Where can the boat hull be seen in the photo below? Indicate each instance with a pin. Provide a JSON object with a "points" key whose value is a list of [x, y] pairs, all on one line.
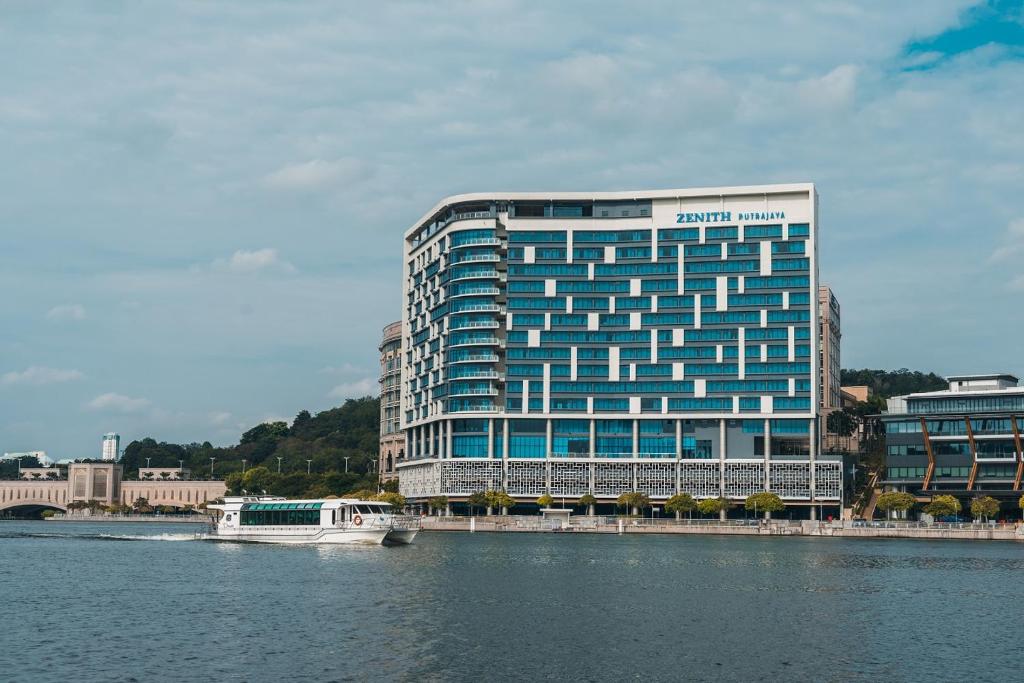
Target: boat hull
{"points": [[318, 537], [400, 536]]}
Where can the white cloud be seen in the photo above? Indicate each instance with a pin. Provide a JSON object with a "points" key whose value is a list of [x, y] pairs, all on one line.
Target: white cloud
{"points": [[367, 386], [218, 419], [39, 375], [66, 312], [243, 261], [117, 403], [317, 173], [1013, 244]]}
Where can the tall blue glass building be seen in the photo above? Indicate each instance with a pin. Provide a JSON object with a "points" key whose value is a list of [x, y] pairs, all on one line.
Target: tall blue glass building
{"points": [[658, 341]]}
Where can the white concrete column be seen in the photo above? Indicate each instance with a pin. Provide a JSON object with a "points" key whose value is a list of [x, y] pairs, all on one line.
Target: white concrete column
{"points": [[812, 451], [636, 438], [504, 455], [593, 438], [448, 438], [767, 454], [679, 440], [549, 438], [722, 449], [490, 437]]}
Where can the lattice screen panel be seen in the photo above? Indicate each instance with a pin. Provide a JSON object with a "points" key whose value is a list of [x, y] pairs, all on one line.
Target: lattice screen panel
{"points": [[526, 478], [420, 480], [463, 477], [570, 478], [828, 480], [790, 480], [743, 478], [700, 479], [612, 479], [656, 479]]}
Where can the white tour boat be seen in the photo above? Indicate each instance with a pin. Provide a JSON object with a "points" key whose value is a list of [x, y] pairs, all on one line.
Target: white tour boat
{"points": [[273, 519]]}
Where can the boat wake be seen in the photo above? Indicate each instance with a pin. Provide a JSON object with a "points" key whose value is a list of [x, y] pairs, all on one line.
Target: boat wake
{"points": [[101, 537]]}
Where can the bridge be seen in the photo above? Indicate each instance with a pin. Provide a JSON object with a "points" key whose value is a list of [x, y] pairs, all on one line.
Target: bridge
{"points": [[103, 483]]}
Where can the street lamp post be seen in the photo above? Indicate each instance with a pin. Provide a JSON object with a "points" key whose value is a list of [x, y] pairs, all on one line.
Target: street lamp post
{"points": [[243, 466], [346, 463], [279, 458], [309, 464], [211, 467]]}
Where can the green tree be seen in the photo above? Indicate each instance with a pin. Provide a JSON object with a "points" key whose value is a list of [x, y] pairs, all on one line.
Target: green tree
{"points": [[713, 506], [984, 507], [766, 502], [898, 501], [680, 503], [943, 506], [438, 503], [634, 501], [841, 422], [264, 431], [397, 500], [545, 501], [476, 500], [141, 505], [499, 499], [260, 479], [587, 501]]}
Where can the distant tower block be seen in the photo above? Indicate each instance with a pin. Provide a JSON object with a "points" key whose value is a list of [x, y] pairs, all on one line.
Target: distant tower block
{"points": [[111, 446]]}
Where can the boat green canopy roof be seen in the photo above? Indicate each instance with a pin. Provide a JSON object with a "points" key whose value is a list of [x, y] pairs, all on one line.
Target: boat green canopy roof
{"points": [[282, 506]]}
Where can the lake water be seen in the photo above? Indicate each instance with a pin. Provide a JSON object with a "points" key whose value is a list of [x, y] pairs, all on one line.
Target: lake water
{"points": [[144, 602]]}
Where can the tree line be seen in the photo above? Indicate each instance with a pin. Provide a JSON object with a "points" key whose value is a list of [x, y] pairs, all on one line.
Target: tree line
{"points": [[331, 453]]}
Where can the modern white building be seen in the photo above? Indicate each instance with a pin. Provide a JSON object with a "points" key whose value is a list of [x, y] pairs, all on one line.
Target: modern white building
{"points": [[658, 341], [111, 446]]}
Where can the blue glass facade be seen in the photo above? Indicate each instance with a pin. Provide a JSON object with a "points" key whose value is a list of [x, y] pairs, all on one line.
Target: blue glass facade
{"points": [[598, 329]]}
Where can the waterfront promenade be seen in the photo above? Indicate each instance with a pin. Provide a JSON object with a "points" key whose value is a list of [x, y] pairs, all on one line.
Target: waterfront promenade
{"points": [[625, 525]]}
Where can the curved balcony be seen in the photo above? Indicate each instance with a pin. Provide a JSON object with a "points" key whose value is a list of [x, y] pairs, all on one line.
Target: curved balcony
{"points": [[482, 374], [476, 308], [475, 341], [474, 258], [475, 291], [479, 358], [473, 392], [476, 242], [472, 325], [455, 276]]}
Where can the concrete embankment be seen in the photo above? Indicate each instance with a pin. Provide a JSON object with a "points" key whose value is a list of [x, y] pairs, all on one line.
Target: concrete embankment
{"points": [[611, 525]]}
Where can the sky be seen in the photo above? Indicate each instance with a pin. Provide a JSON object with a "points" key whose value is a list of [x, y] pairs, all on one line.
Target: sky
{"points": [[203, 203]]}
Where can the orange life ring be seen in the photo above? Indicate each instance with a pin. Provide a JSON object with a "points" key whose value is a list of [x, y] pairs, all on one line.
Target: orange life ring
{"points": [[357, 520]]}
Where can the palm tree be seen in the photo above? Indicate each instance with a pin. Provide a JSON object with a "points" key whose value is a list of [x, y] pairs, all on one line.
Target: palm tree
{"points": [[680, 503], [589, 501]]}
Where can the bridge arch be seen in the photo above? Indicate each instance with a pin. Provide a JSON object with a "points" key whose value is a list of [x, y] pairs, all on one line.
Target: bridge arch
{"points": [[29, 507]]}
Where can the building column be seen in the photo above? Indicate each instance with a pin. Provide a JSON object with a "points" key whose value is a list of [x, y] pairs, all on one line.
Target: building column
{"points": [[448, 438], [636, 438], [504, 455], [490, 438], [767, 454], [679, 456], [812, 457], [722, 446], [593, 437], [549, 445]]}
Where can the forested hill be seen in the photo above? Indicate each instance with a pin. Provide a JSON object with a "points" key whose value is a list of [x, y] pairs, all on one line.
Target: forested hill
{"points": [[886, 383], [326, 439]]}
